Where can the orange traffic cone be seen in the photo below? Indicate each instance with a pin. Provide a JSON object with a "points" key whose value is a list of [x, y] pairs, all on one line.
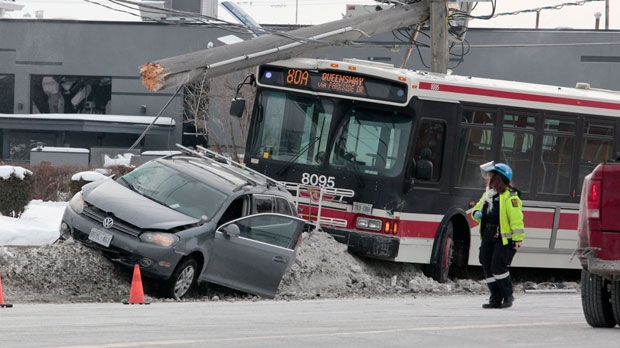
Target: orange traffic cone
{"points": [[136, 293], [2, 304]]}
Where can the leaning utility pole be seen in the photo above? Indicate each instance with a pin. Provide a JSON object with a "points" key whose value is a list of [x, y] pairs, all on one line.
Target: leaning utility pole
{"points": [[180, 70], [439, 36]]}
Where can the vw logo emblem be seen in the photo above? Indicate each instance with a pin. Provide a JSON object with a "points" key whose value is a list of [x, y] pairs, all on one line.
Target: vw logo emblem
{"points": [[108, 222]]}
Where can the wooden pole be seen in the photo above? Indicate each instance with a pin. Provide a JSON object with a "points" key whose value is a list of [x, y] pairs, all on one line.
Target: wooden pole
{"points": [[439, 36], [183, 69]]}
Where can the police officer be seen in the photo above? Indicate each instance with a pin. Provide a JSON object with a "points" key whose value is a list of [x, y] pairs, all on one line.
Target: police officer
{"points": [[501, 231]]}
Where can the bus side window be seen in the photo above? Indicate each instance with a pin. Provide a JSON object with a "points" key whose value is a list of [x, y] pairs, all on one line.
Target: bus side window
{"points": [[424, 166], [428, 150]]}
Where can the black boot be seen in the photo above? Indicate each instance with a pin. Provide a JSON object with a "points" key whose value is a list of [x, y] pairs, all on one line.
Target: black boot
{"points": [[508, 302], [505, 289], [495, 300]]}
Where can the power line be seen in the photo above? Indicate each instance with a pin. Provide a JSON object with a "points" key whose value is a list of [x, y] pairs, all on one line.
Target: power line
{"points": [[536, 10]]}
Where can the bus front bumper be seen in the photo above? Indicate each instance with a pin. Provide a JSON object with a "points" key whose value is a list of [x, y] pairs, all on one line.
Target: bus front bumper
{"points": [[367, 244]]}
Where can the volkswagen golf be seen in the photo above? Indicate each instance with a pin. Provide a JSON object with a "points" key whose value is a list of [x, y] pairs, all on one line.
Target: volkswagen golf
{"points": [[191, 217]]}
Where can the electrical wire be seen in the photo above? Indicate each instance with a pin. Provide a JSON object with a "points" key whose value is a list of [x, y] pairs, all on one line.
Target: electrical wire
{"points": [[534, 10], [402, 37]]}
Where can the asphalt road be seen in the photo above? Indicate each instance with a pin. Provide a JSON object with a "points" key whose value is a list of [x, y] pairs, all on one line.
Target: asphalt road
{"points": [[536, 320]]}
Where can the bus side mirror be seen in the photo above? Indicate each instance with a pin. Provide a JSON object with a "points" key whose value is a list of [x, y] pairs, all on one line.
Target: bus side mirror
{"points": [[237, 106]]}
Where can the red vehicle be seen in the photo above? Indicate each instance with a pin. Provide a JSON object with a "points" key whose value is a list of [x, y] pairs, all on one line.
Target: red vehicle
{"points": [[599, 245]]}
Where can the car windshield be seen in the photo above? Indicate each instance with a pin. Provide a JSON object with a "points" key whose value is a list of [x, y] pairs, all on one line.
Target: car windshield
{"points": [[174, 190]]}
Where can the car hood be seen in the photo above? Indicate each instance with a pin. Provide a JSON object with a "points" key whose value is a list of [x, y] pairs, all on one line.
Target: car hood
{"points": [[132, 207]]}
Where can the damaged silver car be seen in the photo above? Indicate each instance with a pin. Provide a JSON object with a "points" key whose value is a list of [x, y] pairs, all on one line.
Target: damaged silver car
{"points": [[191, 217]]}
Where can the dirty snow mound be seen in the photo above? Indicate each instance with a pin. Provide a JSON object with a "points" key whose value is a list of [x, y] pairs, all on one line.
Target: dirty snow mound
{"points": [[70, 272], [324, 268], [66, 272]]}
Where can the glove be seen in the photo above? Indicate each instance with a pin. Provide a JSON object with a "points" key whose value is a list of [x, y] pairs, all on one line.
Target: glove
{"points": [[477, 214]]}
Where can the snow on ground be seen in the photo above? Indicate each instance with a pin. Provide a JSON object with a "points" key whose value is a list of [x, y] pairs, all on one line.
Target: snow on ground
{"points": [[37, 226], [36, 269]]}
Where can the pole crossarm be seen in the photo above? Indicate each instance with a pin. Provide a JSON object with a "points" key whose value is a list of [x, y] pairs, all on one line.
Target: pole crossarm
{"points": [[212, 62]]}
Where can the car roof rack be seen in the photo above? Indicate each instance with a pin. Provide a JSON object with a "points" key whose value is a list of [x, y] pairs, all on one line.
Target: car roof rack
{"points": [[216, 157]]}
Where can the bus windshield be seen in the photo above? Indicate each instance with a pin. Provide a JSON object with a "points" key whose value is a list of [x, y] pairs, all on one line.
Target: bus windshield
{"points": [[372, 142], [295, 128], [291, 127]]}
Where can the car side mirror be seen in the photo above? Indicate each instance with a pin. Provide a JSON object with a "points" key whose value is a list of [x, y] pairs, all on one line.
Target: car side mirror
{"points": [[237, 106], [231, 230]]}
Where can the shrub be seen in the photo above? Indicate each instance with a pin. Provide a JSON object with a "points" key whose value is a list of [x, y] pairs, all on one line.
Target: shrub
{"points": [[16, 191], [47, 183], [52, 183], [118, 170]]}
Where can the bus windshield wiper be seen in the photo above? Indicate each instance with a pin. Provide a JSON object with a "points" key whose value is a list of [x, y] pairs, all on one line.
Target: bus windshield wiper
{"points": [[297, 155]]}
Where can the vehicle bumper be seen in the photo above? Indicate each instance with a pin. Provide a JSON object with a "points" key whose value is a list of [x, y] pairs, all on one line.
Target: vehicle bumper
{"points": [[603, 267], [127, 250], [367, 244]]}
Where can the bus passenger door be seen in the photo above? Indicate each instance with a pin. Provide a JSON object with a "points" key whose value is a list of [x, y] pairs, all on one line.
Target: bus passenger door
{"points": [[431, 155]]}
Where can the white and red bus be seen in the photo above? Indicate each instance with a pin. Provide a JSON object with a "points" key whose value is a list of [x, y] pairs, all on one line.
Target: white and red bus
{"points": [[387, 160]]}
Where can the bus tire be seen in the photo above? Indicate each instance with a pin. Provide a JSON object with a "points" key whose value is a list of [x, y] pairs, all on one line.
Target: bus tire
{"points": [[615, 300], [441, 261], [596, 300]]}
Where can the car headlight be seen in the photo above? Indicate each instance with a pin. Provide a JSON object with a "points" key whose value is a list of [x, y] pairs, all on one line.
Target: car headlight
{"points": [[159, 238], [77, 203]]}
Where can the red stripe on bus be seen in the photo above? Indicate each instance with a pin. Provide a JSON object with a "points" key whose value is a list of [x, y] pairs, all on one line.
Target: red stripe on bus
{"points": [[428, 229], [417, 229], [568, 222], [438, 87], [543, 220]]}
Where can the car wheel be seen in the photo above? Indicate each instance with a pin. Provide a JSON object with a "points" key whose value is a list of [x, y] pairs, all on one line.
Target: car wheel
{"points": [[183, 279], [595, 300], [615, 300]]}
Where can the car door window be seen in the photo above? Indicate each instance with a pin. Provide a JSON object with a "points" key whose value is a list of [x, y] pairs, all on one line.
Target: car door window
{"points": [[274, 229], [263, 204], [283, 206], [272, 204]]}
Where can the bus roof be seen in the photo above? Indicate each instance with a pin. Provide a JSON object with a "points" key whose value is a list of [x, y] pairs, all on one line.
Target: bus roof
{"points": [[467, 89]]}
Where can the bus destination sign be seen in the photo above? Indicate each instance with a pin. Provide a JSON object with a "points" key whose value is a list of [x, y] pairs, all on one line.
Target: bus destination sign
{"points": [[332, 82]]}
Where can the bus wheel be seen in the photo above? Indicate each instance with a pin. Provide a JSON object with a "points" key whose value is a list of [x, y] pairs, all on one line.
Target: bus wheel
{"points": [[595, 300], [442, 255]]}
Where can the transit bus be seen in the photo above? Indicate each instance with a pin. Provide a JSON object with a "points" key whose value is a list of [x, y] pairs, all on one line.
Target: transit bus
{"points": [[387, 160]]}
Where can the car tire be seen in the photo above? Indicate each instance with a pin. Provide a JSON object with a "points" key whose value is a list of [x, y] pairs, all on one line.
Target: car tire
{"points": [[183, 279], [615, 300], [595, 300]]}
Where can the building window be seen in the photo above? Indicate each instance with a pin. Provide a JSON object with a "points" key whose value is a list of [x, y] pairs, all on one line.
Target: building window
{"points": [[67, 94], [7, 93]]}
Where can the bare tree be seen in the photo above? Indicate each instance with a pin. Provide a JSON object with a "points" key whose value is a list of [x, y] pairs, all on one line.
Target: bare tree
{"points": [[207, 105]]}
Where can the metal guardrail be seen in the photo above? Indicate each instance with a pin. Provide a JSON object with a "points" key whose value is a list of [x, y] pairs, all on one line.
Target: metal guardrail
{"points": [[335, 194]]}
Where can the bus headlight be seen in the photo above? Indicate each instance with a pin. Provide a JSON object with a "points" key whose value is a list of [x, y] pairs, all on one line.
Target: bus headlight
{"points": [[368, 224]]}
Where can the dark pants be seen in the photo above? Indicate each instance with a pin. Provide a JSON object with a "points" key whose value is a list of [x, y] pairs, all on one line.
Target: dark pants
{"points": [[495, 259]]}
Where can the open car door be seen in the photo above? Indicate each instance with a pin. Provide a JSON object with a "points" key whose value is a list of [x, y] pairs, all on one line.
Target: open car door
{"points": [[252, 253]]}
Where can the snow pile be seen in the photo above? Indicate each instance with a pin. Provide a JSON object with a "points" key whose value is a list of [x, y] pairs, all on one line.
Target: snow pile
{"points": [[19, 172], [89, 175], [120, 160], [324, 268], [69, 272]]}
